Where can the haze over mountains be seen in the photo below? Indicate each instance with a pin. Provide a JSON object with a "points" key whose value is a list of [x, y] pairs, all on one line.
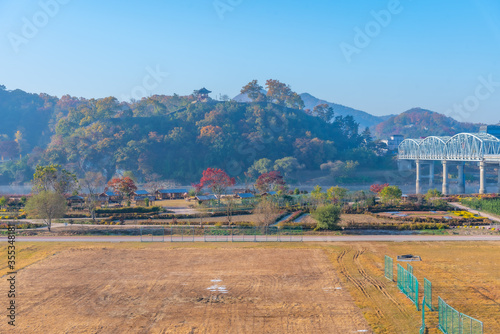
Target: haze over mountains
{"points": [[413, 123]]}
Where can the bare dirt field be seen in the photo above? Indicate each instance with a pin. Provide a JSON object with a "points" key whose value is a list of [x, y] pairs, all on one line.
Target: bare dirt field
{"points": [[465, 274], [244, 287], [163, 289]]}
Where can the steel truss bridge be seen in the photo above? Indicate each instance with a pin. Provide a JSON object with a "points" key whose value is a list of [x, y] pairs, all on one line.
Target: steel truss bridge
{"points": [[482, 148]]}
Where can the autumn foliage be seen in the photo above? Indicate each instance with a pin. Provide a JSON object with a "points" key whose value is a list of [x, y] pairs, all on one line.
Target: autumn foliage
{"points": [[377, 188], [123, 186], [216, 180], [269, 181]]}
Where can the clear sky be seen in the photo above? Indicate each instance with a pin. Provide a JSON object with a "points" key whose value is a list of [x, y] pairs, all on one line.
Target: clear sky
{"points": [[439, 55]]}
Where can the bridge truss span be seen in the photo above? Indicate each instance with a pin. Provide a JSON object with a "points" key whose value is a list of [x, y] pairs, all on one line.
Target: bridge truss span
{"points": [[460, 147], [481, 148]]}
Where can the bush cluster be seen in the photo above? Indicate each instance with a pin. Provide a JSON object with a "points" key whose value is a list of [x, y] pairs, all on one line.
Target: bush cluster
{"points": [[396, 226], [138, 209], [491, 205], [4, 226]]}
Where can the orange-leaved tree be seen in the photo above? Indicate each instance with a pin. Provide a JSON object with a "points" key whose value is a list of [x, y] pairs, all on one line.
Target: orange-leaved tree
{"points": [[216, 180], [122, 185]]}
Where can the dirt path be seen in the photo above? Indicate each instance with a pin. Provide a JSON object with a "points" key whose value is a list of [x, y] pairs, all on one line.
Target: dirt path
{"points": [[381, 287], [360, 286]]}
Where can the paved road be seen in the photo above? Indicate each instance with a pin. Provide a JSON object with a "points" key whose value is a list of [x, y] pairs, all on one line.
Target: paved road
{"points": [[345, 238], [482, 214]]}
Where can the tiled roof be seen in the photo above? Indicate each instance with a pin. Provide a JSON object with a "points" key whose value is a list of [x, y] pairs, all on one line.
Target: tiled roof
{"points": [[173, 191]]}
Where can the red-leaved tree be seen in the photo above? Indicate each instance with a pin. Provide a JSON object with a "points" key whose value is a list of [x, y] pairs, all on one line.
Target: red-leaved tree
{"points": [[269, 181], [123, 186], [377, 188], [216, 180]]}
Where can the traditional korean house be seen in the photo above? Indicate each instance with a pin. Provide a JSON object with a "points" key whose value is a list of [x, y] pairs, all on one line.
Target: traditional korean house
{"points": [[171, 193]]}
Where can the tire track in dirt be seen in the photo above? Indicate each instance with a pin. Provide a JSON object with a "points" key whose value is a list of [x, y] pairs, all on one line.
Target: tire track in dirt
{"points": [[343, 270], [478, 290], [379, 286]]}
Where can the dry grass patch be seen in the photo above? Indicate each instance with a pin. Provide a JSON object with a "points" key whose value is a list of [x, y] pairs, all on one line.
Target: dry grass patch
{"points": [[465, 274], [185, 290]]}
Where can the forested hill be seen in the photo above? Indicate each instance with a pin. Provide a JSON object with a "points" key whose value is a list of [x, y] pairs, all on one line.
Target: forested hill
{"points": [[25, 121], [180, 144], [417, 122], [175, 137]]}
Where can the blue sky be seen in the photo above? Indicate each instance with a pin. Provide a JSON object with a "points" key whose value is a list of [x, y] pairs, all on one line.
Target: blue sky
{"points": [[435, 55]]}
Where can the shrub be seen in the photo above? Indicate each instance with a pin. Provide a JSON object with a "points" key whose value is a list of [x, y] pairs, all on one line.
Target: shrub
{"points": [[139, 209], [328, 217], [484, 204]]}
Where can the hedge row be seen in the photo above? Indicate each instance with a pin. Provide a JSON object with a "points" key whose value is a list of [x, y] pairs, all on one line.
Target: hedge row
{"points": [[403, 226], [488, 205], [450, 222], [138, 209], [181, 223], [76, 215], [4, 226]]}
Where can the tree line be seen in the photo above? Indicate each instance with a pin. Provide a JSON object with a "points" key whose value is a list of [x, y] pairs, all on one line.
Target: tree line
{"points": [[177, 137]]}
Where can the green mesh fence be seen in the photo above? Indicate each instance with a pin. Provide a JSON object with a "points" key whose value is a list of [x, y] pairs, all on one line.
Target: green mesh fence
{"points": [[428, 294], [181, 233], [152, 234], [240, 234], [470, 325], [214, 234], [422, 327], [221, 234], [409, 267], [408, 284], [288, 233], [253, 234], [453, 322], [389, 268]]}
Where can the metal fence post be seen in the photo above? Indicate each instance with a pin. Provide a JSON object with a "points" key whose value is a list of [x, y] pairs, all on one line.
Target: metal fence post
{"points": [[422, 328], [389, 268]]}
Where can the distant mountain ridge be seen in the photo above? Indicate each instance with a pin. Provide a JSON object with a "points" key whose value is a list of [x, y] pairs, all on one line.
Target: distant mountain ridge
{"points": [[363, 118], [418, 122]]}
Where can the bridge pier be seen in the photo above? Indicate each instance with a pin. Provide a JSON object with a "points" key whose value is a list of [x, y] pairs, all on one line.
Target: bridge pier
{"points": [[482, 181], [461, 178], [418, 190], [445, 189], [498, 190], [431, 173]]}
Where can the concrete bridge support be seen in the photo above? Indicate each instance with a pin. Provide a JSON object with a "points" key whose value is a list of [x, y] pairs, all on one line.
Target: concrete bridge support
{"points": [[461, 178], [482, 179], [431, 173], [445, 189], [417, 162], [498, 190]]}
